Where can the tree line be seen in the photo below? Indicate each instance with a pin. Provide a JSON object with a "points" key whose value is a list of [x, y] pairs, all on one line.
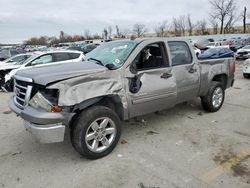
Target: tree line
{"points": [[223, 16]]}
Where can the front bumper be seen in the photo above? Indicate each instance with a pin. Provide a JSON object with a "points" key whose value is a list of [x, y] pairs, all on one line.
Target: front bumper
{"points": [[46, 127], [50, 133], [246, 69]]}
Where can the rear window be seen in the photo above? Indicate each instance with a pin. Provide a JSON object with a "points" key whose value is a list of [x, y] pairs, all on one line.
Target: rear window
{"points": [[180, 53]]}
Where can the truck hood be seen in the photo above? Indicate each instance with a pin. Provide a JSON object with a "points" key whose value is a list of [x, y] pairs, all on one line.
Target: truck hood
{"points": [[58, 72]]}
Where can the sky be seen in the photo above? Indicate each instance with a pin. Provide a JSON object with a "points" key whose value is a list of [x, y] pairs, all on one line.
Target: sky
{"points": [[22, 19]]}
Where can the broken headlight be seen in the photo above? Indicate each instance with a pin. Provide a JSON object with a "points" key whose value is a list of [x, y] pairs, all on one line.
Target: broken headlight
{"points": [[47, 100]]}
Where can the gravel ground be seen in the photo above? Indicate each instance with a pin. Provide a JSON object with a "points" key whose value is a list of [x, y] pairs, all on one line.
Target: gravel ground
{"points": [[180, 147]]}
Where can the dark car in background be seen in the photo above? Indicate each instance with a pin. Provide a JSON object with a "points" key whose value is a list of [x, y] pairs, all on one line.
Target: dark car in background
{"points": [[9, 52], [215, 53]]}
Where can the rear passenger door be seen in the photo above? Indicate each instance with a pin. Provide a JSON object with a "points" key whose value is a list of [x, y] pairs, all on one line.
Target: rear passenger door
{"points": [[185, 70]]}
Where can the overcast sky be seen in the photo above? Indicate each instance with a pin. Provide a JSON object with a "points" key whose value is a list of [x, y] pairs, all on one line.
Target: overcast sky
{"points": [[22, 19]]}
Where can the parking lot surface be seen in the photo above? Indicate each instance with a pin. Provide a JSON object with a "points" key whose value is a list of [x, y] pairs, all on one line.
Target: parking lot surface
{"points": [[180, 147]]}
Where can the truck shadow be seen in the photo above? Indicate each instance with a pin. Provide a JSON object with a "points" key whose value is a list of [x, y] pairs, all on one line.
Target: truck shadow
{"points": [[141, 126]]}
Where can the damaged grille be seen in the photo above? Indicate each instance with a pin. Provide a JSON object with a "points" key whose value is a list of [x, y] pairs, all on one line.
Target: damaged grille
{"points": [[22, 91]]}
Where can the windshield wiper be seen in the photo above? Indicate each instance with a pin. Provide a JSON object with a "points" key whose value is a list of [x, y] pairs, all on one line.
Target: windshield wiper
{"points": [[98, 61]]}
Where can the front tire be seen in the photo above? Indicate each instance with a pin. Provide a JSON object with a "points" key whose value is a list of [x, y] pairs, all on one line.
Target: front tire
{"points": [[96, 132], [214, 99]]}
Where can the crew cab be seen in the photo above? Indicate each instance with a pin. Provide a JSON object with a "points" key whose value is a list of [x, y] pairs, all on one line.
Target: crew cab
{"points": [[117, 81]]}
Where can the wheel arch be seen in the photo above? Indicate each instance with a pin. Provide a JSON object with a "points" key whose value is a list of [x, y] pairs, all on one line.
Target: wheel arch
{"points": [[113, 102], [222, 78]]}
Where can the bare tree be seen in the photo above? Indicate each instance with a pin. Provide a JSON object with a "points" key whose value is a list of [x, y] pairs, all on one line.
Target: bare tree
{"points": [[87, 34], [105, 33], [118, 34], [160, 29], [182, 24], [124, 33], [222, 9], [214, 23], [190, 25], [139, 30], [176, 27], [179, 26], [244, 19], [110, 31], [229, 26], [202, 27], [62, 36]]}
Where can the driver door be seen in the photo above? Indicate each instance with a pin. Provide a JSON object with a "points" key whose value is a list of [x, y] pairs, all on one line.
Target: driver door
{"points": [[153, 86]]}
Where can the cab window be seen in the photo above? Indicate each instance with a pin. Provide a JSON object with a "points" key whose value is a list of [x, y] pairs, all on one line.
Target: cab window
{"points": [[180, 53], [151, 57]]}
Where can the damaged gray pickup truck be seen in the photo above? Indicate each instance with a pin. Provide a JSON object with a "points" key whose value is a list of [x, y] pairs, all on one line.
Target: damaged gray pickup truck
{"points": [[117, 81]]}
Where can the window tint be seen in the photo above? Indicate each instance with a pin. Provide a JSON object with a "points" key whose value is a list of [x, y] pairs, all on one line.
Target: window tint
{"points": [[180, 53], [42, 60], [74, 55], [152, 56], [61, 57]]}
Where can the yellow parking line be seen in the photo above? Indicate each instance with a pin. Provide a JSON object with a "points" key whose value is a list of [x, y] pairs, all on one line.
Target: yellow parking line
{"points": [[219, 170]]}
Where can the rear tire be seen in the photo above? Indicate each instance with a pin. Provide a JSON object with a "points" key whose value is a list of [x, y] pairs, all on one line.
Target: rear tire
{"points": [[96, 132], [214, 99]]}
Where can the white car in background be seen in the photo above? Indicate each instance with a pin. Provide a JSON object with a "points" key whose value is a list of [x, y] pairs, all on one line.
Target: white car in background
{"points": [[197, 51], [40, 59], [246, 69], [15, 59], [243, 53], [218, 44]]}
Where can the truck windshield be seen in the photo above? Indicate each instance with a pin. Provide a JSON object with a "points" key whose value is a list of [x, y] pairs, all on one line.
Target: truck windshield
{"points": [[113, 54]]}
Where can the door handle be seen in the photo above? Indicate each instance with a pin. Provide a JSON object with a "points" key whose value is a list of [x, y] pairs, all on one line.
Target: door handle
{"points": [[166, 75], [192, 70]]}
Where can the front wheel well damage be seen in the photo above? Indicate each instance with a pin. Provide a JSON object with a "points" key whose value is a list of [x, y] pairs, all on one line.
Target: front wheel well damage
{"points": [[111, 101]]}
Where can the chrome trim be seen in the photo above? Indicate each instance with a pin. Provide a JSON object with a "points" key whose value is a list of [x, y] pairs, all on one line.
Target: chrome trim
{"points": [[16, 103], [28, 93], [23, 78], [22, 93], [20, 98], [22, 87]]}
